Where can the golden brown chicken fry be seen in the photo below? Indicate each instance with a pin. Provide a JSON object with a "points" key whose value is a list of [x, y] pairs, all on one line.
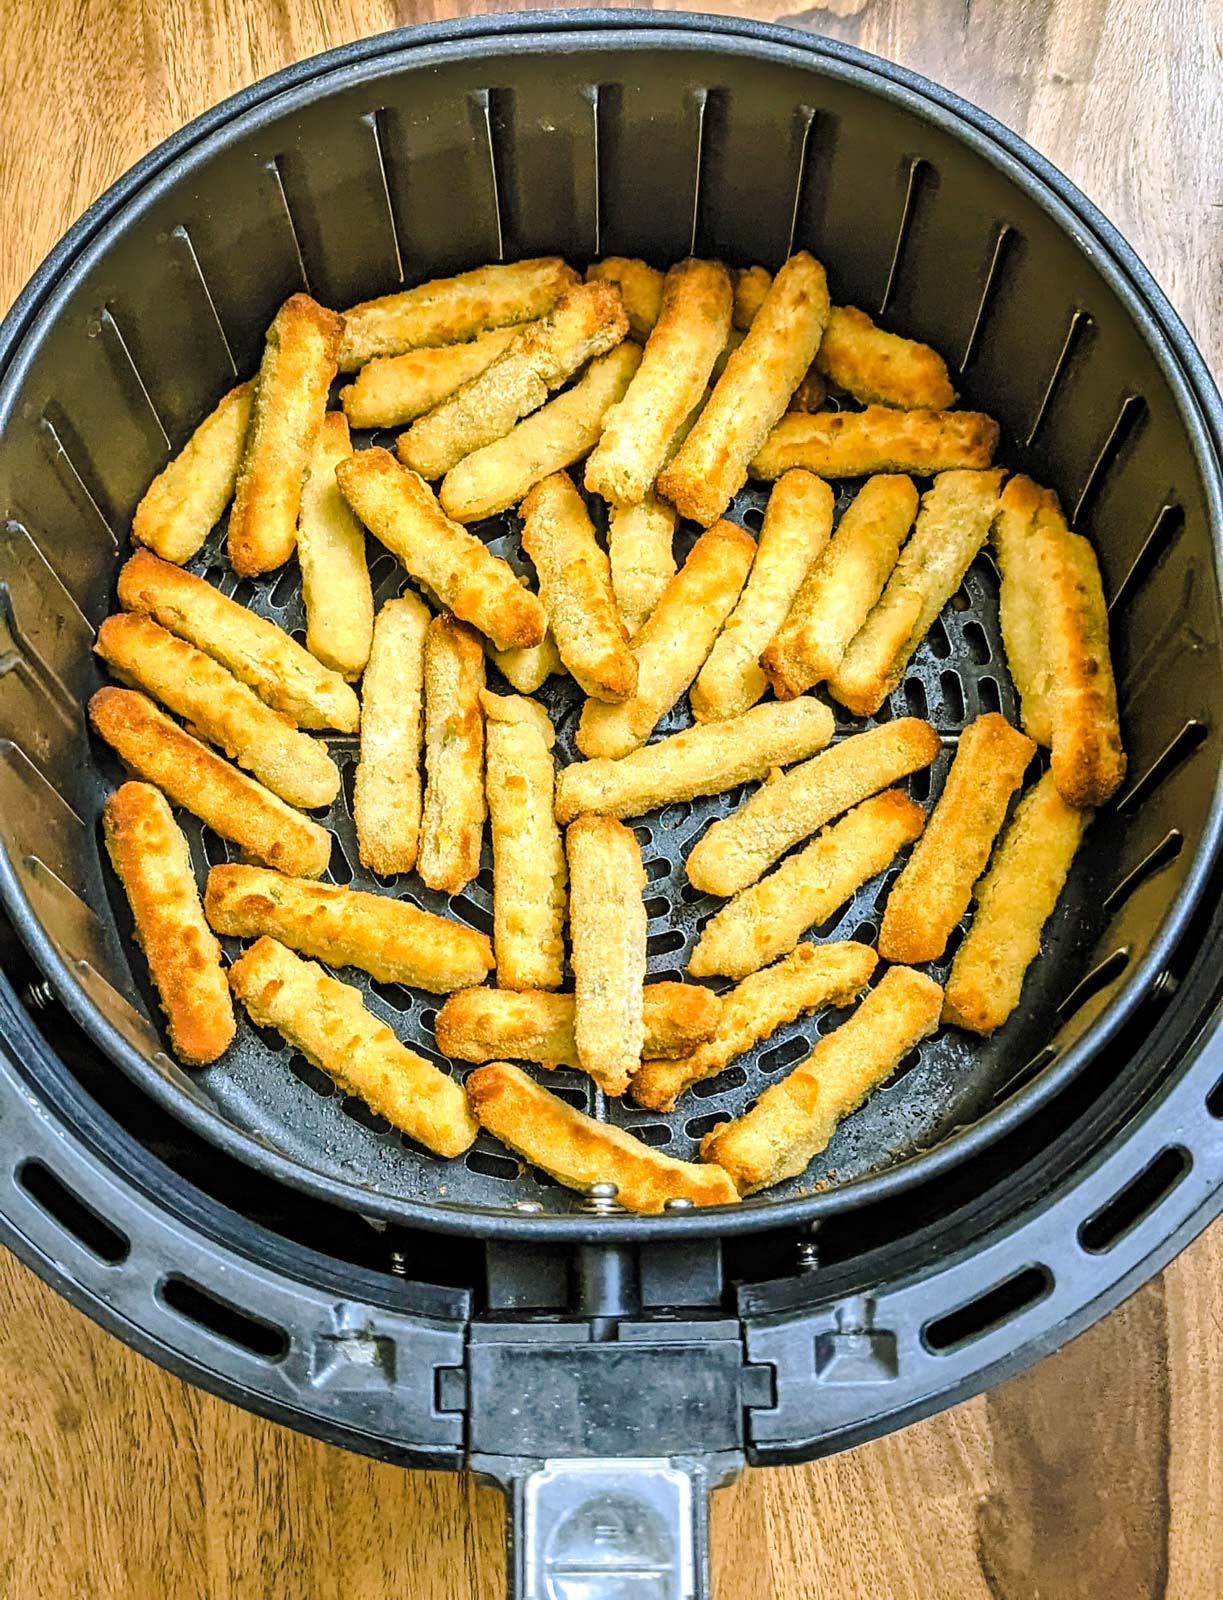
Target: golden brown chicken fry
{"points": [[295, 374], [640, 287], [456, 567], [842, 586], [816, 975], [452, 823], [219, 708], [153, 863], [751, 286], [552, 438], [701, 760], [932, 893], [575, 587], [447, 310], [1014, 901], [761, 375], [793, 1120], [390, 939], [671, 648], [679, 357], [390, 391], [740, 847], [185, 500], [528, 858], [1055, 626], [852, 444], [528, 669], [578, 1151], [530, 1025], [387, 795], [796, 527], [281, 673], [882, 368], [952, 525], [331, 550], [328, 1022], [768, 920], [204, 783], [607, 930], [587, 321]]}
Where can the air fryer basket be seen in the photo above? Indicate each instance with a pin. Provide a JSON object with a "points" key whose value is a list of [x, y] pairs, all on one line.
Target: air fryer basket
{"points": [[590, 135]]}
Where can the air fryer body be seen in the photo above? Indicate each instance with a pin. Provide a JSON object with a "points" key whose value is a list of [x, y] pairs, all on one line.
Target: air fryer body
{"points": [[265, 1237]]}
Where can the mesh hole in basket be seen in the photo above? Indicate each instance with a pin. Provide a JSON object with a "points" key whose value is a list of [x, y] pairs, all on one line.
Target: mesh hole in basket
{"points": [[976, 642], [784, 1055], [734, 1078], [753, 518], [676, 815], [339, 867], [919, 784], [428, 1018], [475, 916], [656, 869], [904, 1067], [662, 944], [215, 852], [283, 590], [988, 695], [348, 778], [698, 1127], [953, 695], [653, 1134], [572, 1097], [915, 697], [395, 995], [313, 1077], [356, 1108], [657, 906], [940, 644], [960, 601], [491, 1165], [866, 933]]}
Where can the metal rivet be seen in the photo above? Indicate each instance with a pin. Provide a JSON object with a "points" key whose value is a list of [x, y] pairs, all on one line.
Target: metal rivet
{"points": [[399, 1264], [529, 1208], [679, 1202], [807, 1256], [38, 996], [600, 1200]]}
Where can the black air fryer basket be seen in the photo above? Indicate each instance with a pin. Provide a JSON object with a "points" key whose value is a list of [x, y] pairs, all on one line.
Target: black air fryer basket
{"points": [[261, 1235]]}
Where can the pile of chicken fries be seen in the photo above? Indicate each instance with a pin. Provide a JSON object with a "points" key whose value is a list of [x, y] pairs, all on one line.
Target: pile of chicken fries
{"points": [[633, 400]]}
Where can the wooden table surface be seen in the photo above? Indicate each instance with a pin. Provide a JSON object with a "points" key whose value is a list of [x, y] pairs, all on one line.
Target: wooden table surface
{"points": [[1098, 1475]]}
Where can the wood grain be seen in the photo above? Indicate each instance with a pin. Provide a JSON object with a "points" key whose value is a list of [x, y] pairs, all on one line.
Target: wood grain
{"points": [[1099, 1474]]}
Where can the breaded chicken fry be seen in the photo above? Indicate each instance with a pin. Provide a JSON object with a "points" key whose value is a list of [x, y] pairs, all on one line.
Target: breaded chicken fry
{"points": [[185, 500], [587, 321], [952, 525], [331, 549], [751, 286], [295, 374], [701, 760], [452, 823], [672, 646], [528, 669], [816, 975], [390, 939], [204, 783], [387, 795], [496, 1024], [932, 893], [796, 527], [456, 567], [740, 847], [841, 587], [446, 310], [390, 391], [153, 863], [640, 287], [678, 360], [1014, 901], [529, 872], [768, 919], [575, 587], [793, 1120], [761, 375], [607, 930], [578, 1151], [1055, 626], [552, 438], [852, 444], [328, 1022], [219, 708], [882, 368], [281, 673]]}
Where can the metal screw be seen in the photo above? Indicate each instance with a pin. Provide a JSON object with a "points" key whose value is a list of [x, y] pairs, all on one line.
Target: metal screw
{"points": [[529, 1208], [40, 995], [807, 1255], [679, 1202], [399, 1264], [600, 1200]]}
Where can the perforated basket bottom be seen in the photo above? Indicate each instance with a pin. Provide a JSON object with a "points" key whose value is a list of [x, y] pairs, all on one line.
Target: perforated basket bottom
{"points": [[263, 1087]]}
